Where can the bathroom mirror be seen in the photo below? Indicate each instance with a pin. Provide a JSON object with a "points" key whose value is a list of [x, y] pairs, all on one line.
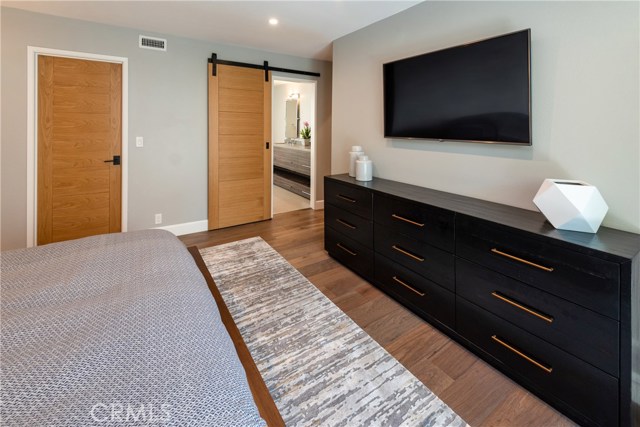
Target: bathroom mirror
{"points": [[292, 119]]}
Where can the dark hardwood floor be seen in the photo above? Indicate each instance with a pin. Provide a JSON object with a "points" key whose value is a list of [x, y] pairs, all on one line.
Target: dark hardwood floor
{"points": [[472, 388]]}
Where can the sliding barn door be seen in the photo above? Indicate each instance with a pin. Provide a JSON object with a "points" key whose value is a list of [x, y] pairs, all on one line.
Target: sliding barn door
{"points": [[239, 146], [79, 137]]}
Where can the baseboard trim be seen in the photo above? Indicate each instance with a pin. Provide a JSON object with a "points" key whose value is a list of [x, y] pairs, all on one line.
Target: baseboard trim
{"points": [[203, 225], [187, 227]]}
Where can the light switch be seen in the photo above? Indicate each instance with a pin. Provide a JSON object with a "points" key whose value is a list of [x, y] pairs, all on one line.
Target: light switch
{"points": [[139, 141]]}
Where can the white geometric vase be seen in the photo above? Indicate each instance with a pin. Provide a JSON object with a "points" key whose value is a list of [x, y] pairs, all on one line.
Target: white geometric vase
{"points": [[571, 205]]}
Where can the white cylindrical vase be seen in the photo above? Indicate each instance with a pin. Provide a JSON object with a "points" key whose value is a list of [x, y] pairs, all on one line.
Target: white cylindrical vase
{"points": [[356, 151], [364, 169]]}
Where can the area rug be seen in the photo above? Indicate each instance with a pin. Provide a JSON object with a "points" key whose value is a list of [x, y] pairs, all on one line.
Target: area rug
{"points": [[320, 367]]}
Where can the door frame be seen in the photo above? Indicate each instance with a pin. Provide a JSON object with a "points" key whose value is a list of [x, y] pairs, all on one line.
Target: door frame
{"points": [[314, 114], [32, 130]]}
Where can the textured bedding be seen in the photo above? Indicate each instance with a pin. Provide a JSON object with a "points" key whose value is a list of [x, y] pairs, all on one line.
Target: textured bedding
{"points": [[118, 329]]}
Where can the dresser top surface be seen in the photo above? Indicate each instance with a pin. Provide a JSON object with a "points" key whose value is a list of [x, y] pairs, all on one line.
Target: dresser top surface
{"points": [[605, 243]]}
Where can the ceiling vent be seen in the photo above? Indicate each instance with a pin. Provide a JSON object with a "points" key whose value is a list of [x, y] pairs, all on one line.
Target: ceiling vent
{"points": [[153, 43]]}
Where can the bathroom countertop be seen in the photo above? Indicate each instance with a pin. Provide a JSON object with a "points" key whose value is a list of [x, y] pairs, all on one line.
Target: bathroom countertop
{"points": [[292, 146]]}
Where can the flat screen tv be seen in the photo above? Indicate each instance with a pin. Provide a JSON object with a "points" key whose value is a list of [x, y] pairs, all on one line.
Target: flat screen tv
{"points": [[477, 92]]}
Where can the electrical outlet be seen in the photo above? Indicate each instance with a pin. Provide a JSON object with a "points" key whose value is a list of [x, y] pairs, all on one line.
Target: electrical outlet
{"points": [[139, 141], [159, 218]]}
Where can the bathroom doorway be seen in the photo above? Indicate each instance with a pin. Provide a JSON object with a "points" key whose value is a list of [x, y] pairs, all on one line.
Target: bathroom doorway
{"points": [[293, 135]]}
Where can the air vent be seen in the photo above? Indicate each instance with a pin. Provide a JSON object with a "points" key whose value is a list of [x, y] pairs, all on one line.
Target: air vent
{"points": [[153, 43]]}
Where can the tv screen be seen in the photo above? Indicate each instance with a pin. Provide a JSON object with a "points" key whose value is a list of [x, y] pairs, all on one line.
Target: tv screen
{"points": [[477, 92]]}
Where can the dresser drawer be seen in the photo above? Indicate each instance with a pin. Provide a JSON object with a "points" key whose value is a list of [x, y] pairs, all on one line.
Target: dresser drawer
{"points": [[349, 252], [350, 198], [422, 295], [352, 226], [588, 335], [426, 260], [585, 280], [553, 372], [426, 223]]}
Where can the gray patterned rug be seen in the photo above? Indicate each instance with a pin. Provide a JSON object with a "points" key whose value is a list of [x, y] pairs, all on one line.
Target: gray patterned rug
{"points": [[320, 367]]}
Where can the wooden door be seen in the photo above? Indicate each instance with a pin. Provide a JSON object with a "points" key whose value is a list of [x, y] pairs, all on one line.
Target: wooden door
{"points": [[79, 133], [239, 146]]}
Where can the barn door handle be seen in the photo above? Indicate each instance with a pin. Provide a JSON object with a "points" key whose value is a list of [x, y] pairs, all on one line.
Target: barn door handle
{"points": [[115, 160]]}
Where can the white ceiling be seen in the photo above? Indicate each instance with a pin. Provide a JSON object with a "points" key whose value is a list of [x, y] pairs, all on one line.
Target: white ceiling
{"points": [[305, 29]]}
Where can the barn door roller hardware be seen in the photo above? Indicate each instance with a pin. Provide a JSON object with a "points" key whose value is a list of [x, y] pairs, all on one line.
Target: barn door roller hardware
{"points": [[265, 66]]}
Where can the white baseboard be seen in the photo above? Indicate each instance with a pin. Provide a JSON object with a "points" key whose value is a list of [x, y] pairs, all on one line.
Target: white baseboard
{"points": [[198, 226], [187, 227]]}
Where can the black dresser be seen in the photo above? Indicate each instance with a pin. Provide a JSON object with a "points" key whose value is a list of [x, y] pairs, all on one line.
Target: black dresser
{"points": [[555, 310]]}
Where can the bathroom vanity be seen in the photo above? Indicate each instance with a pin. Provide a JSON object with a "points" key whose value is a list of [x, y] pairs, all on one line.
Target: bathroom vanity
{"points": [[292, 168]]}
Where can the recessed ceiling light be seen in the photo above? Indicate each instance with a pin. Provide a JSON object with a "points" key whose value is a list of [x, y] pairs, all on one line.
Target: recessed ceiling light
{"points": [[273, 21]]}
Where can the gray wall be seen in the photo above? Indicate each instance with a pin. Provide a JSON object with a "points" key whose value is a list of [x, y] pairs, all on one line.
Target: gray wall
{"points": [[167, 106], [584, 90]]}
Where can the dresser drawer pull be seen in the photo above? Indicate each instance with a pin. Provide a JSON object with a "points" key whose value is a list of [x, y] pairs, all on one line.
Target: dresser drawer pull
{"points": [[542, 366], [524, 261], [522, 307], [346, 224], [407, 253], [401, 218], [349, 251], [348, 199], [408, 287]]}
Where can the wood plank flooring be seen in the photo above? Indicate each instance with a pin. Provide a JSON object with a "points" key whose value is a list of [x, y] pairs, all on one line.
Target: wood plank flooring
{"points": [[472, 388]]}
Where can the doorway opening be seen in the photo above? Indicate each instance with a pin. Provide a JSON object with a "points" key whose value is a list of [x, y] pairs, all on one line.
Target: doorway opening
{"points": [[293, 135]]}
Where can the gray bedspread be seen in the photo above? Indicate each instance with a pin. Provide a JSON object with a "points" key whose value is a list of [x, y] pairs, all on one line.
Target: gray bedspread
{"points": [[118, 329]]}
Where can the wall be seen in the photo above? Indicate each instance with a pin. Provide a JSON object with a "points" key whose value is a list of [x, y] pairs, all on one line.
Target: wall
{"points": [[279, 96], [585, 98], [167, 106]]}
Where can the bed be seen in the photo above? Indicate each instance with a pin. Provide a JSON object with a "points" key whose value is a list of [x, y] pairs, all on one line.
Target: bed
{"points": [[121, 329]]}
